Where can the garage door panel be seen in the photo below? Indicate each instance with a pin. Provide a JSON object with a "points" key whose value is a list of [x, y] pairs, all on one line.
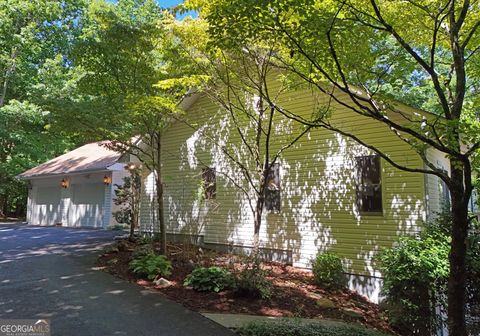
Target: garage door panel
{"points": [[87, 205], [88, 194], [47, 208]]}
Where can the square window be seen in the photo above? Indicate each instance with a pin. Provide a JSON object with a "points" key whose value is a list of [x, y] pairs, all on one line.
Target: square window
{"points": [[209, 183], [369, 187]]}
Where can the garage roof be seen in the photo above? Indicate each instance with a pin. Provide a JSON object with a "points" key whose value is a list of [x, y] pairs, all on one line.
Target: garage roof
{"points": [[90, 157]]}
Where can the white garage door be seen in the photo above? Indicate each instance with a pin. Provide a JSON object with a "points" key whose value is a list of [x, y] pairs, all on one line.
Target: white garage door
{"points": [[47, 210], [87, 205]]}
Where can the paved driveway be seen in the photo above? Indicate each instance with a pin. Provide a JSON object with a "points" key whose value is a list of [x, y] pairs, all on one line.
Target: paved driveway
{"points": [[47, 272]]}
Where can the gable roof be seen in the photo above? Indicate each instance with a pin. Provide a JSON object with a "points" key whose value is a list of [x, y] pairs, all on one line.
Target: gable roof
{"points": [[91, 157]]}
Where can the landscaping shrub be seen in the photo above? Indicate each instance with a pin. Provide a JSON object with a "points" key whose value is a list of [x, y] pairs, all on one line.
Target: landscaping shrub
{"points": [[142, 250], [151, 265], [416, 272], [252, 282], [295, 328], [146, 239], [328, 271], [118, 227], [212, 279]]}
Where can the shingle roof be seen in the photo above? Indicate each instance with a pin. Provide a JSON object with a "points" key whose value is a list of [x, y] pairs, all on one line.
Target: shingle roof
{"points": [[90, 157]]}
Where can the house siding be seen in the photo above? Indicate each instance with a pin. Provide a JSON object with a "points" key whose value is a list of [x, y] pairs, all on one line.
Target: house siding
{"points": [[434, 199], [318, 200]]}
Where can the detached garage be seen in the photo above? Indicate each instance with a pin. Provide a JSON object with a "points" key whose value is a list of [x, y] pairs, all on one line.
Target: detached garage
{"points": [[75, 189]]}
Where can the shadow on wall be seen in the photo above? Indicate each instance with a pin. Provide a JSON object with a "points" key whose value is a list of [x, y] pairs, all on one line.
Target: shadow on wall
{"points": [[318, 197]]}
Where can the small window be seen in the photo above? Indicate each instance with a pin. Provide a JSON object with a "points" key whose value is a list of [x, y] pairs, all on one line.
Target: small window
{"points": [[272, 189], [209, 183], [369, 188]]}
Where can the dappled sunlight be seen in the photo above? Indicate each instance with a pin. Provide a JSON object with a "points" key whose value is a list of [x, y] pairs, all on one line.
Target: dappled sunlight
{"points": [[115, 292], [72, 288], [319, 189], [191, 145], [61, 249], [367, 286]]}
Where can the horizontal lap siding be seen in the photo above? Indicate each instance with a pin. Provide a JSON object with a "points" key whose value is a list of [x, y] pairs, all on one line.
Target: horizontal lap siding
{"points": [[434, 199], [318, 209]]}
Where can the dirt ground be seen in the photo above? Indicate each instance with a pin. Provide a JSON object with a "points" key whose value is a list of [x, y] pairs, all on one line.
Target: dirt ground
{"points": [[293, 293]]}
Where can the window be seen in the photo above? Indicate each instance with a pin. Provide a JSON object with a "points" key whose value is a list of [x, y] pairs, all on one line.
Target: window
{"points": [[272, 189], [209, 183], [369, 188]]}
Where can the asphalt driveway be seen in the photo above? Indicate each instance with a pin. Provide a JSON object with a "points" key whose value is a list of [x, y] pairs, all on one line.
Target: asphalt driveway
{"points": [[48, 272]]}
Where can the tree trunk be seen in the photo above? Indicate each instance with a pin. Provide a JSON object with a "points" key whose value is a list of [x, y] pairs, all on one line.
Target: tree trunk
{"points": [[159, 189], [458, 249], [257, 223], [161, 220], [132, 230], [134, 205], [136, 191]]}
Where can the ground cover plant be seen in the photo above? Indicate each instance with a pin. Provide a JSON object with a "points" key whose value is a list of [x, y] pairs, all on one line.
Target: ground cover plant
{"points": [[211, 279]]}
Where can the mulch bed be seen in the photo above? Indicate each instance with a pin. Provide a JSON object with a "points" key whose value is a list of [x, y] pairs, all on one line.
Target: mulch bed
{"points": [[293, 292]]}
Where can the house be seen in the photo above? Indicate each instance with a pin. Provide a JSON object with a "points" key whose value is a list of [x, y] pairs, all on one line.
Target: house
{"points": [[75, 189], [334, 194]]}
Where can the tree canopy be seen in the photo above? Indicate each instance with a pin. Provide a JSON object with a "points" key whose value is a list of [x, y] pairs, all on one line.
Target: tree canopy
{"points": [[35, 42]]}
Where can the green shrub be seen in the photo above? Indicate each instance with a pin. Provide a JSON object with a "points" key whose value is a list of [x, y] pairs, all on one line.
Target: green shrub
{"points": [[118, 227], [212, 279], [414, 271], [252, 282], [142, 250], [146, 239], [295, 328], [328, 271], [151, 265]]}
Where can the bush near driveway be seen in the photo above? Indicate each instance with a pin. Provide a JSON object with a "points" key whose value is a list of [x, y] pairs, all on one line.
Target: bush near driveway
{"points": [[151, 266], [252, 282], [212, 279], [296, 328]]}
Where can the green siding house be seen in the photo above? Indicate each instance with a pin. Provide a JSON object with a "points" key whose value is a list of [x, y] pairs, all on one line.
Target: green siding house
{"points": [[320, 205]]}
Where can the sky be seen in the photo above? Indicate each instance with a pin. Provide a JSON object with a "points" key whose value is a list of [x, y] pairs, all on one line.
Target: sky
{"points": [[171, 3]]}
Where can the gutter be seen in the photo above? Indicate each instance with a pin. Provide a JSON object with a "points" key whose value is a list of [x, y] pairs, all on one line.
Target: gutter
{"points": [[76, 172]]}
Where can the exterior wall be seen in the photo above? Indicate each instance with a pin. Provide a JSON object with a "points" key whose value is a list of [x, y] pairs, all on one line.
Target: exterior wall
{"points": [[318, 201], [433, 184]]}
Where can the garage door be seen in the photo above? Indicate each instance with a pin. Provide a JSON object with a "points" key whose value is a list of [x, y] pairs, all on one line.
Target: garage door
{"points": [[47, 209], [87, 205]]}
